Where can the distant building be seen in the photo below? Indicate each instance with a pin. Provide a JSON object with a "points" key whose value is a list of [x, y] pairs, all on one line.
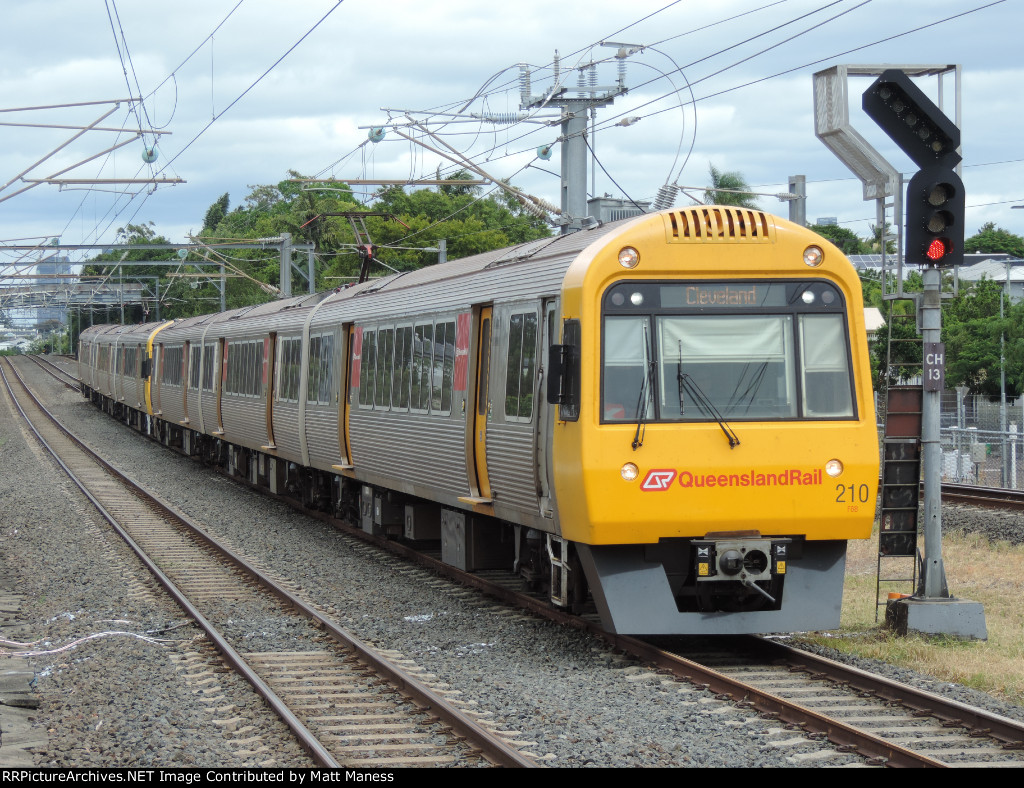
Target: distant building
{"points": [[873, 321], [872, 263], [58, 268], [997, 268], [611, 209]]}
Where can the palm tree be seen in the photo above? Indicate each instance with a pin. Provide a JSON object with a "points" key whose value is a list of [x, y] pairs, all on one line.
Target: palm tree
{"points": [[728, 188]]}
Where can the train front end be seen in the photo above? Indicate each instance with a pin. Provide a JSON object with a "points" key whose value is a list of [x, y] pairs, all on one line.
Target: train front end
{"points": [[716, 445]]}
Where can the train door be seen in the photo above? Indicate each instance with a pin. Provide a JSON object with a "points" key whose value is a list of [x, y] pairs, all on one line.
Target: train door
{"points": [[269, 364], [221, 376], [483, 403], [350, 350], [545, 422], [159, 373], [115, 370]]}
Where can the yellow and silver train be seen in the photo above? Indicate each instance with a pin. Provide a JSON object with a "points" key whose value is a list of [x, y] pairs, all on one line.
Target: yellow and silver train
{"points": [[670, 416]]}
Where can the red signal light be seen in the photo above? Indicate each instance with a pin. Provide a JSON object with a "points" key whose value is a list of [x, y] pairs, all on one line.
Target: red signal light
{"points": [[938, 248]]}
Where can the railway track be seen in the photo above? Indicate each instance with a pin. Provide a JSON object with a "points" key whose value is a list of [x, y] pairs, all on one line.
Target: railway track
{"points": [[346, 703], [57, 372], [992, 497], [883, 722]]}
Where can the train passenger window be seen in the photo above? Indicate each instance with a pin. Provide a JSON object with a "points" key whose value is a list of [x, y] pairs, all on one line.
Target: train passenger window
{"points": [[321, 369], [626, 354], [288, 369], [385, 363], [403, 368], [443, 375], [521, 369], [194, 367], [422, 363], [826, 372], [313, 368], [209, 364], [367, 369], [326, 383], [171, 372]]}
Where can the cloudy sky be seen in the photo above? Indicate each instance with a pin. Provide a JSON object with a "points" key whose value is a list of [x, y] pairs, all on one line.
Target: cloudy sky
{"points": [[250, 90]]}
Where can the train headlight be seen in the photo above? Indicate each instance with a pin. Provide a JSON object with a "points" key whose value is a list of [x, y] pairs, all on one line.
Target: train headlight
{"points": [[813, 256], [629, 471], [833, 468], [629, 257]]}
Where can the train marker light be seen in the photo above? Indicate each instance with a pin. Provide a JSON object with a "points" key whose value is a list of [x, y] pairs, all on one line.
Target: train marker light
{"points": [[833, 468], [813, 256], [629, 257], [629, 472]]}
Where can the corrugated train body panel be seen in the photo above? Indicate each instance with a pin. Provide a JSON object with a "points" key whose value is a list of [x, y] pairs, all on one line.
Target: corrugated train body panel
{"points": [[286, 430], [511, 463], [172, 403], [322, 435], [244, 421], [423, 456]]}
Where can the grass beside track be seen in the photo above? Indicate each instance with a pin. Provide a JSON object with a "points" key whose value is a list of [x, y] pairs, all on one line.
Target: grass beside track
{"points": [[991, 573]]}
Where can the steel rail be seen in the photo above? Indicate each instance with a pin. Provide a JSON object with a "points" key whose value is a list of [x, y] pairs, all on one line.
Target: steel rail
{"points": [[1008, 731], [491, 746], [847, 737], [56, 372], [308, 741], [996, 497]]}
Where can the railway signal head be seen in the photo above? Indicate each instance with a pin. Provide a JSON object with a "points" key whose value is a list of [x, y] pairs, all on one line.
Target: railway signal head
{"points": [[935, 196], [935, 218], [912, 120]]}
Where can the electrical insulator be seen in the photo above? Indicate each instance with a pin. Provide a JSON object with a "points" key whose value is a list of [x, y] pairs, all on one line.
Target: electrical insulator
{"points": [[666, 197], [525, 89]]}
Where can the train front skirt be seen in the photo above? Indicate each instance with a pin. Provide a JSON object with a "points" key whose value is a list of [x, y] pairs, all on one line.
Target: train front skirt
{"points": [[634, 597]]}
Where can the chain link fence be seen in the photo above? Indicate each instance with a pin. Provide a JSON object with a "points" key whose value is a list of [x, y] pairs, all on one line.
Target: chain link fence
{"points": [[982, 440]]}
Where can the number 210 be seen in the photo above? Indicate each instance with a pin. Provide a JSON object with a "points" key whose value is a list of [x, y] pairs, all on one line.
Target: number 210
{"points": [[857, 493]]}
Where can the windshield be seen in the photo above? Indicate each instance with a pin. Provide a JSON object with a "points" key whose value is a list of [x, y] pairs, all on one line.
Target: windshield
{"points": [[757, 351]]}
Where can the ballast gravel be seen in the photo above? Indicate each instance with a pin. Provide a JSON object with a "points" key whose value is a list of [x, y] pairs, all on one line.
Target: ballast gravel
{"points": [[121, 700]]}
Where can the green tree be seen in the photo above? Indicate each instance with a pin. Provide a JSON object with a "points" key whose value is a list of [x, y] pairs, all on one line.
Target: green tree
{"points": [[116, 268], [843, 237], [875, 243], [728, 188], [971, 330], [216, 212], [992, 239]]}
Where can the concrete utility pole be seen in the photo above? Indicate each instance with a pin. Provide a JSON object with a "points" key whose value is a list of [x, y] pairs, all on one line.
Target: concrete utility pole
{"points": [[574, 118]]}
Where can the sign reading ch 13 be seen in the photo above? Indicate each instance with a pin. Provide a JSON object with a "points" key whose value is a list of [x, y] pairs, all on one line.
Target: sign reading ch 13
{"points": [[934, 366]]}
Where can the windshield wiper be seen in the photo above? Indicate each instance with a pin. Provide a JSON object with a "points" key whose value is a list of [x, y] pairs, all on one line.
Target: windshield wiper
{"points": [[646, 387], [706, 405]]}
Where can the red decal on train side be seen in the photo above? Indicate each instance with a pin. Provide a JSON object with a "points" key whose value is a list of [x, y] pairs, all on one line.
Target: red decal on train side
{"points": [[781, 477], [462, 350], [357, 356]]}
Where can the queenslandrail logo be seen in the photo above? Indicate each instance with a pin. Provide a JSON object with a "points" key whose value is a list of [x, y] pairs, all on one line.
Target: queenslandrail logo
{"points": [[662, 479]]}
